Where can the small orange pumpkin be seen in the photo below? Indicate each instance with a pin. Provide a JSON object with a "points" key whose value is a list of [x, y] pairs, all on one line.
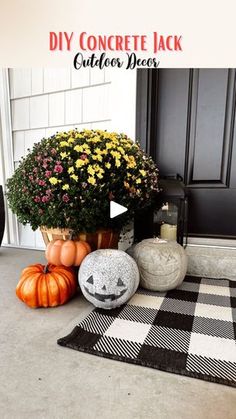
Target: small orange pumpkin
{"points": [[67, 252], [47, 286]]}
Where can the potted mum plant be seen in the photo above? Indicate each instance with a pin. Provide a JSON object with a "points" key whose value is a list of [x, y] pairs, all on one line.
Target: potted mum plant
{"points": [[65, 184]]}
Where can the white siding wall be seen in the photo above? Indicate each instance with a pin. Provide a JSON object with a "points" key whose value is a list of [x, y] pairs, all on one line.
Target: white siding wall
{"points": [[44, 101]]}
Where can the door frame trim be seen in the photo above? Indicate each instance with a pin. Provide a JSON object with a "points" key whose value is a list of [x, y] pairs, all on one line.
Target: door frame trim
{"points": [[146, 102], [11, 225]]}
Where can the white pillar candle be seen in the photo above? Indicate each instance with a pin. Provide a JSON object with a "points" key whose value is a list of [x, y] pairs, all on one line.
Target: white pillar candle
{"points": [[168, 232]]}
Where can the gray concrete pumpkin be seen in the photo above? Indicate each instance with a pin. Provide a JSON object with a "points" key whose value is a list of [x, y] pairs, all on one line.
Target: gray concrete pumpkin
{"points": [[108, 278], [162, 264]]}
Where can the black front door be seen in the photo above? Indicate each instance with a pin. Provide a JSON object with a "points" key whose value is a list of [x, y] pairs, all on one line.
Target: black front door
{"points": [[186, 120]]}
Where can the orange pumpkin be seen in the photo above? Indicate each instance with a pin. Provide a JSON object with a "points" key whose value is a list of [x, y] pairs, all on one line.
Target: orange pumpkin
{"points": [[48, 286], [67, 252]]}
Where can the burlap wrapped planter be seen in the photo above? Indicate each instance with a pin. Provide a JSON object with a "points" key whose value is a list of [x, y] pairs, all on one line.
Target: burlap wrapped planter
{"points": [[162, 264], [100, 239]]}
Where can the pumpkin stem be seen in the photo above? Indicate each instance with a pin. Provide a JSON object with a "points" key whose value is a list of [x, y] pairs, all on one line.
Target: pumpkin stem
{"points": [[46, 269], [71, 235]]}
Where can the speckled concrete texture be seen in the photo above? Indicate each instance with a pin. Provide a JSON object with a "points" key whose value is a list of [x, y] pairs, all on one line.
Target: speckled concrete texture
{"points": [[162, 264], [41, 380], [108, 278], [212, 262]]}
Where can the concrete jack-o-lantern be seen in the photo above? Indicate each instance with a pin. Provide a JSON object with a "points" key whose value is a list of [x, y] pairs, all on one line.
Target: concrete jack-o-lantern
{"points": [[108, 278], [162, 264]]}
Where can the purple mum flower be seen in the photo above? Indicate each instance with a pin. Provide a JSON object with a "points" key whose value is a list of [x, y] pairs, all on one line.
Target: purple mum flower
{"points": [[58, 168], [65, 197]]}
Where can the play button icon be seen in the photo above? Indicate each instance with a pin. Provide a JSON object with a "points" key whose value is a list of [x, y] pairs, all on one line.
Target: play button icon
{"points": [[116, 209]]}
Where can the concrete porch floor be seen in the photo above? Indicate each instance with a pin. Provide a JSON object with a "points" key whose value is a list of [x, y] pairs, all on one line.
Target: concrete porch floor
{"points": [[39, 379]]}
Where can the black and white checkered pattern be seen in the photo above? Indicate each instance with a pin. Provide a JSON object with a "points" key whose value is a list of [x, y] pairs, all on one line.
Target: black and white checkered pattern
{"points": [[190, 330]]}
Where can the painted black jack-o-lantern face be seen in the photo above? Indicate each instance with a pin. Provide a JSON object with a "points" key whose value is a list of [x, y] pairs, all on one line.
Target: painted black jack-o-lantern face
{"points": [[108, 278], [120, 290]]}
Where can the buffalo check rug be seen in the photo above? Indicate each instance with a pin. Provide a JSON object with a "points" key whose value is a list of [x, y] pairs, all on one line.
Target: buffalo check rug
{"points": [[190, 330]]}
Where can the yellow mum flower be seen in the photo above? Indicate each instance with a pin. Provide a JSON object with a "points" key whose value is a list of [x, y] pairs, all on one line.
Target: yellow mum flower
{"points": [[95, 140], [98, 150], [117, 163], [61, 135], [71, 140], [143, 173], [75, 177], [80, 163], [71, 170], [65, 187], [99, 171], [91, 180], [79, 148], [86, 147], [126, 185], [107, 135], [78, 135], [53, 180], [126, 157], [116, 154], [82, 148], [114, 139], [64, 144], [138, 180], [109, 145], [90, 170], [97, 157], [122, 151], [131, 162], [97, 168], [108, 165], [63, 155], [131, 165]]}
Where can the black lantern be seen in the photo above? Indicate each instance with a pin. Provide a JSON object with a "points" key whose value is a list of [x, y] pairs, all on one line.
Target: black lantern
{"points": [[167, 218]]}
